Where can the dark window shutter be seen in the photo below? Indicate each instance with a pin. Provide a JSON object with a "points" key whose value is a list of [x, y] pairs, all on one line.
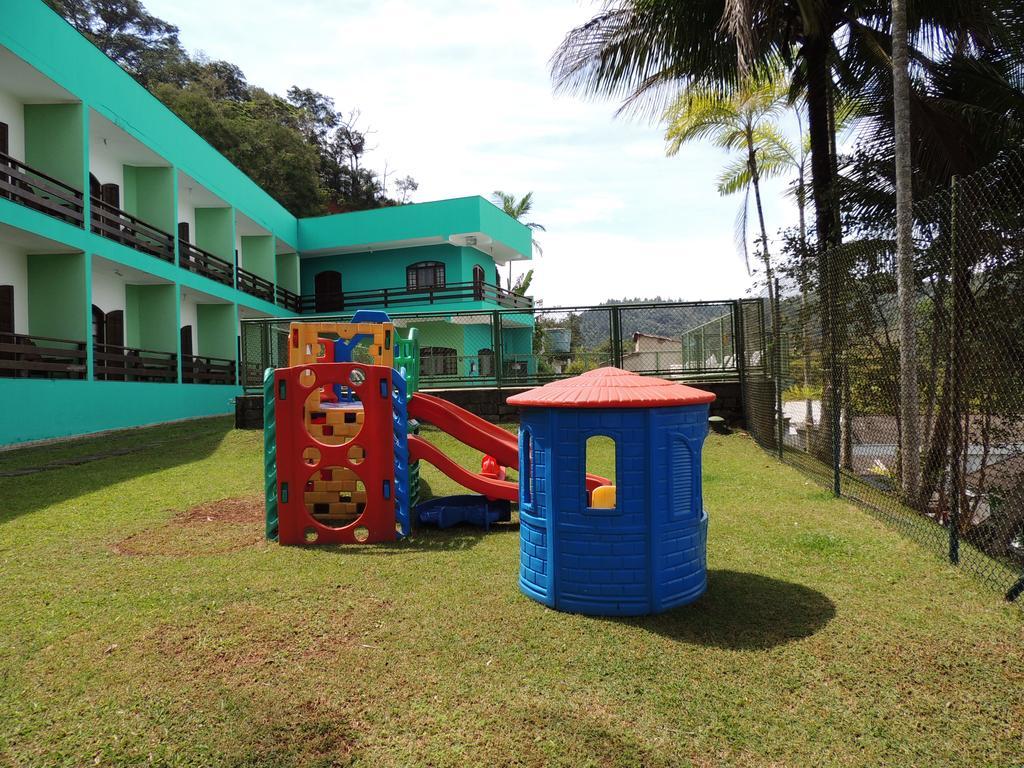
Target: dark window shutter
{"points": [[98, 325], [186, 341], [5, 139], [95, 188], [183, 233], [6, 309], [111, 195], [439, 275], [327, 290], [114, 328]]}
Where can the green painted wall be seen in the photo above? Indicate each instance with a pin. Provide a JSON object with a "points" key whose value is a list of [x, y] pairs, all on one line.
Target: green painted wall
{"points": [[384, 269], [58, 296], [54, 140], [215, 232], [288, 271], [258, 255], [151, 320], [218, 326], [440, 219], [82, 407], [149, 195]]}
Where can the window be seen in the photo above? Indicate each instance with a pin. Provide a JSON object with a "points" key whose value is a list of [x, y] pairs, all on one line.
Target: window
{"points": [[478, 283], [327, 289], [438, 361], [425, 276], [486, 361], [526, 478], [599, 459], [98, 325], [6, 309]]}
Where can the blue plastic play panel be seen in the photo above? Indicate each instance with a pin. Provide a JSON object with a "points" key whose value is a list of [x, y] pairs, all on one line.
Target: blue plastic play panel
{"points": [[447, 511]]}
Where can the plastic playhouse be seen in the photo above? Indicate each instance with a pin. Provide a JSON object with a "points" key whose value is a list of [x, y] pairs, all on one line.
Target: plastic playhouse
{"points": [[342, 453], [635, 547], [340, 446]]}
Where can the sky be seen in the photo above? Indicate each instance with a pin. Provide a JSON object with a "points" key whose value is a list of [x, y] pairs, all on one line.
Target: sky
{"points": [[458, 94]]}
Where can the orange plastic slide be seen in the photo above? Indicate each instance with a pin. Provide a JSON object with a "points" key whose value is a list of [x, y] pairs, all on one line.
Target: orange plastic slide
{"points": [[497, 489], [475, 432]]}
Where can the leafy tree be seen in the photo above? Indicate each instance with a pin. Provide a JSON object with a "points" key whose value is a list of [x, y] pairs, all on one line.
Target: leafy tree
{"points": [[742, 121], [518, 209]]}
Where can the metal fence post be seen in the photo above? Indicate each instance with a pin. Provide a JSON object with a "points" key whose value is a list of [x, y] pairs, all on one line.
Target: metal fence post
{"points": [[781, 426], [616, 336], [740, 353], [499, 353], [956, 341]]}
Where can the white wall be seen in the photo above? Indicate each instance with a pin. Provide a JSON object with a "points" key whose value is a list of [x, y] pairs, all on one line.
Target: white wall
{"points": [[186, 210], [13, 113], [190, 316], [104, 165], [238, 247], [108, 293], [14, 271]]}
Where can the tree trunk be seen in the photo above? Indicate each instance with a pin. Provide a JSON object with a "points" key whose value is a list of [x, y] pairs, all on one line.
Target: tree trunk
{"points": [[765, 255], [910, 449], [815, 51]]}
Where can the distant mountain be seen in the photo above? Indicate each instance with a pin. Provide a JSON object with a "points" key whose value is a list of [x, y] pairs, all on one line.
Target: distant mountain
{"points": [[670, 321]]}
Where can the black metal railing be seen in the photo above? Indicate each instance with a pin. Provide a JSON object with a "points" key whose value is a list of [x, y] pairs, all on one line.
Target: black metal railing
{"points": [[23, 184], [403, 296], [289, 300], [255, 285], [41, 357], [115, 224], [116, 363], [195, 259], [202, 369]]}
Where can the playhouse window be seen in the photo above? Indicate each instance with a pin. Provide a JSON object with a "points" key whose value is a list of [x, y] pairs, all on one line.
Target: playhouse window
{"points": [[600, 459], [526, 479], [425, 276]]}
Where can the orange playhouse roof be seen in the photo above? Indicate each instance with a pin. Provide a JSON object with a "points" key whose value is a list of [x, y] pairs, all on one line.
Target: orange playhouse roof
{"points": [[611, 388]]}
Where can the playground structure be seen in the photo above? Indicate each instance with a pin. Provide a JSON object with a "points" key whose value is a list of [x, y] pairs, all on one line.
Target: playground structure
{"points": [[342, 454], [341, 450]]}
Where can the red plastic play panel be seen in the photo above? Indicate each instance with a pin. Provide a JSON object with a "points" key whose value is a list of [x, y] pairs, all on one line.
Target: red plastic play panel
{"points": [[611, 388], [372, 384]]}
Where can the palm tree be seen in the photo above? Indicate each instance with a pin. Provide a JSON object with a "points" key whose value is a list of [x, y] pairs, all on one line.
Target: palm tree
{"points": [[742, 121], [910, 455], [518, 209]]}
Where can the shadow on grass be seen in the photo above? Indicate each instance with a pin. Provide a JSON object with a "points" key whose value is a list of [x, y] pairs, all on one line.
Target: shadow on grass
{"points": [[744, 611], [64, 471], [425, 539]]}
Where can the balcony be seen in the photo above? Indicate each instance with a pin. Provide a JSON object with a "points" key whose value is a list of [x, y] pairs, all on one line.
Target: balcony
{"points": [[288, 300], [255, 285], [116, 363], [121, 227], [204, 263], [22, 184], [40, 357], [196, 369], [399, 297]]}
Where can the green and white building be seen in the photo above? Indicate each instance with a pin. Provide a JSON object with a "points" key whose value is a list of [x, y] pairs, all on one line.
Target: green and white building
{"points": [[130, 250]]}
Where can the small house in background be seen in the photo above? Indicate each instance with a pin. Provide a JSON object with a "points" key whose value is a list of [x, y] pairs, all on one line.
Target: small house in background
{"points": [[654, 353]]}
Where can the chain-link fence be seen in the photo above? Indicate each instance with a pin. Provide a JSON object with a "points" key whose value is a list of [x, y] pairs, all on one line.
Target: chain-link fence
{"points": [[943, 459], [694, 341]]}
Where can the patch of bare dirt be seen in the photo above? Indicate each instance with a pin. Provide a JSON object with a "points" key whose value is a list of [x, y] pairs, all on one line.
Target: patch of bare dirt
{"points": [[217, 527]]}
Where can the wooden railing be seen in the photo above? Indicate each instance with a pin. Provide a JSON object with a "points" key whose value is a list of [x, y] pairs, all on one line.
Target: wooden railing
{"points": [[255, 285], [41, 357], [204, 263], [23, 184], [200, 369], [115, 224], [288, 300], [116, 363], [395, 297]]}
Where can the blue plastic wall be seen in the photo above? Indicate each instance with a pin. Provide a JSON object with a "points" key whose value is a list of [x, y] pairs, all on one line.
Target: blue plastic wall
{"points": [[645, 556]]}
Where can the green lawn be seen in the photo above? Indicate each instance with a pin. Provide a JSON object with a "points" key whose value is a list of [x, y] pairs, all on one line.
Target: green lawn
{"points": [[130, 634]]}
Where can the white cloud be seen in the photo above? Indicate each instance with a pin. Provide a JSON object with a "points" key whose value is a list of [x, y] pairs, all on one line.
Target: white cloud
{"points": [[458, 94]]}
